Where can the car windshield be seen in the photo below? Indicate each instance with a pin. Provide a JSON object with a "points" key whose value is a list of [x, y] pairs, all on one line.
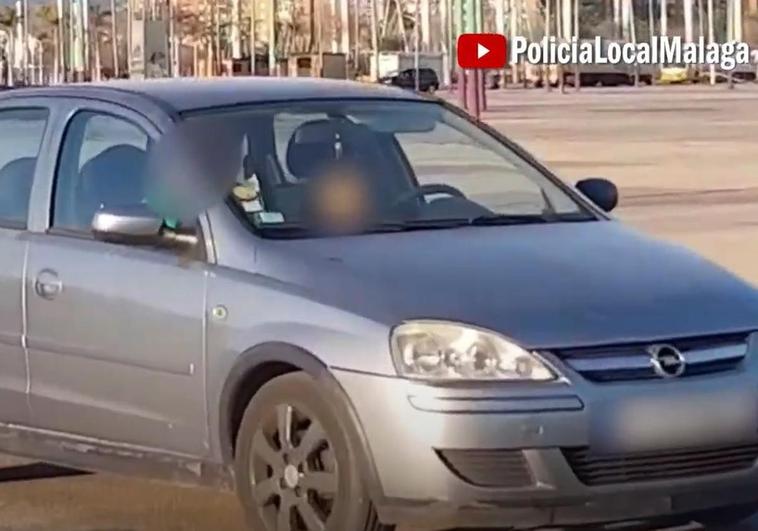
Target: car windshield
{"points": [[376, 165]]}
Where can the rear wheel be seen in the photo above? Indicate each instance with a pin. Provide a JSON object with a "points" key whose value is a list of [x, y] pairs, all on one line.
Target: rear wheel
{"points": [[295, 468]]}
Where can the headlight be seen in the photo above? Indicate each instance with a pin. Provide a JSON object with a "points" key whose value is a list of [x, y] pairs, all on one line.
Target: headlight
{"points": [[436, 350]]}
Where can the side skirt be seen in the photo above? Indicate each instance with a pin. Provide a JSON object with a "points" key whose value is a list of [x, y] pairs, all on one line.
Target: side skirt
{"points": [[97, 455]]}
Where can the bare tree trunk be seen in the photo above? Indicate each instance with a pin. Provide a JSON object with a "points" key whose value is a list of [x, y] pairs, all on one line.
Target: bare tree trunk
{"points": [[711, 39], [272, 37], [129, 37], [401, 25], [664, 18], [56, 57], [11, 58], [700, 22], [633, 37], [567, 19], [560, 35], [235, 33], [374, 41], [253, 35], [577, 33], [209, 58], [320, 43], [651, 19], [426, 24], [688, 21], [730, 32], [40, 65], [546, 66], [344, 22], [86, 35], [386, 19], [98, 66], [416, 44], [625, 24], [738, 20], [312, 45], [114, 38], [195, 60], [445, 39], [217, 39], [60, 38], [356, 37], [500, 27]]}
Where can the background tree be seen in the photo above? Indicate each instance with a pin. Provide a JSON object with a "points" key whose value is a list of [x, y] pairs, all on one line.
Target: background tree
{"points": [[47, 22], [101, 31]]}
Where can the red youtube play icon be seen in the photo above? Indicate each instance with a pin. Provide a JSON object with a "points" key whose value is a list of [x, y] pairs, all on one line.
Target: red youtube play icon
{"points": [[482, 50]]}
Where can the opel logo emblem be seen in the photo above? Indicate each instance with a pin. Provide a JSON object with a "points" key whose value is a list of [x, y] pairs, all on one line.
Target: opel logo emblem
{"points": [[667, 361]]}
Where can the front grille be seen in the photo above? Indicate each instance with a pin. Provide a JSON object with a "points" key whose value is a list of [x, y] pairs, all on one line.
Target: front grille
{"points": [[604, 469], [703, 355], [489, 468]]}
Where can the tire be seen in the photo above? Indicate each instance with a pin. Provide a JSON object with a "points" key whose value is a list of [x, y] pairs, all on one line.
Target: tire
{"points": [[725, 518], [313, 472]]}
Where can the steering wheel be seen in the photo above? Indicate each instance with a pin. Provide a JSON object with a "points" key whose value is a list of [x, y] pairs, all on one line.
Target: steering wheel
{"points": [[427, 189]]}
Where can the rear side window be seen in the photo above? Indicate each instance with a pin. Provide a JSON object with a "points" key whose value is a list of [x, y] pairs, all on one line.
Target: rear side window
{"points": [[21, 132]]}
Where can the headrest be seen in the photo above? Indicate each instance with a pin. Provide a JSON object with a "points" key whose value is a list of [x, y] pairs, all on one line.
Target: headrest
{"points": [[18, 170], [16, 180], [316, 144], [115, 176]]}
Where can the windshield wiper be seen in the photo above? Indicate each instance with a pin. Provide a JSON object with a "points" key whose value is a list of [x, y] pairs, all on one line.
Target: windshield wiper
{"points": [[298, 230], [522, 219]]}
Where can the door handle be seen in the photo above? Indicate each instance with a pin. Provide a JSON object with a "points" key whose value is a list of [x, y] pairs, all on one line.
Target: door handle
{"points": [[47, 284]]}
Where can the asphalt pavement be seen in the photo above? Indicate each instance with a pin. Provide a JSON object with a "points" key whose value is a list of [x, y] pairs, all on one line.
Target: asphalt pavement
{"points": [[686, 162]]}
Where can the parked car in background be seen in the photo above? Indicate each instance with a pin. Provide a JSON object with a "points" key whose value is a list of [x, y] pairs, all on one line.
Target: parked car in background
{"points": [[747, 72], [391, 316], [675, 73], [428, 81]]}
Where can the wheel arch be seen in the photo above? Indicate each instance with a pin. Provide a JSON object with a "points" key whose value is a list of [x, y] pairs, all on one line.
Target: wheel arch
{"points": [[264, 362]]}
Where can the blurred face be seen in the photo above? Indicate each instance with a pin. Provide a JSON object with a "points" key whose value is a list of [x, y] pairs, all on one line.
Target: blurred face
{"points": [[190, 170], [340, 199]]}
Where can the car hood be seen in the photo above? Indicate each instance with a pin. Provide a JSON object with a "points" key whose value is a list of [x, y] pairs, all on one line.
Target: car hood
{"points": [[545, 285]]}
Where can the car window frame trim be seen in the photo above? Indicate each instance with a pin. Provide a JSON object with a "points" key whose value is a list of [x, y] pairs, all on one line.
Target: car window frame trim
{"points": [[52, 229], [62, 112], [22, 226]]}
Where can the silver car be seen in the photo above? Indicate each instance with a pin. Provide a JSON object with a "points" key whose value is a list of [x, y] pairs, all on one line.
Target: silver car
{"points": [[391, 315]]}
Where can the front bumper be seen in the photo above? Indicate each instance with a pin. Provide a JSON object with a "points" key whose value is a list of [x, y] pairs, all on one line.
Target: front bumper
{"points": [[409, 427]]}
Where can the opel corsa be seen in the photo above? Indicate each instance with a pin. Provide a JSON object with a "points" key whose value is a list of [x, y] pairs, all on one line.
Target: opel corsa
{"points": [[392, 316]]}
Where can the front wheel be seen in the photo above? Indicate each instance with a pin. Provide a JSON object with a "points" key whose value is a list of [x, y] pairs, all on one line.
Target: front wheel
{"points": [[295, 468]]}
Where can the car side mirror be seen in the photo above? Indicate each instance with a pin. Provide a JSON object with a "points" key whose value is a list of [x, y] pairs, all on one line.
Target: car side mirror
{"points": [[137, 225], [602, 192]]}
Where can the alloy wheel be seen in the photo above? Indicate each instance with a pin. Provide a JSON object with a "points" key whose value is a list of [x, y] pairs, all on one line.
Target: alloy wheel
{"points": [[293, 471]]}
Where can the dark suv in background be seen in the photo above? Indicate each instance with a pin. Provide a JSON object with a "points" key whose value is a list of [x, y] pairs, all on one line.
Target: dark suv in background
{"points": [[428, 81]]}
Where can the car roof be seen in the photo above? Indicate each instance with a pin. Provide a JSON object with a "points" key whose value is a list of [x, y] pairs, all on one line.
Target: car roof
{"points": [[188, 94]]}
